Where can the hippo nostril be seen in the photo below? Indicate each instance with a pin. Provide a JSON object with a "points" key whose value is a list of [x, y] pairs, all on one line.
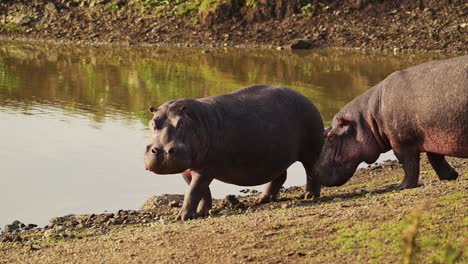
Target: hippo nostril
{"points": [[171, 151], [156, 151]]}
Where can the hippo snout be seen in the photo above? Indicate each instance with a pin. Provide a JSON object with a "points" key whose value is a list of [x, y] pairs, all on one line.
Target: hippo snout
{"points": [[170, 152], [167, 159], [334, 176], [153, 157]]}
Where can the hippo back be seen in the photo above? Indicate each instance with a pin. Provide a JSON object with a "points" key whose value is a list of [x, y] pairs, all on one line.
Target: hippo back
{"points": [[261, 129], [429, 102]]}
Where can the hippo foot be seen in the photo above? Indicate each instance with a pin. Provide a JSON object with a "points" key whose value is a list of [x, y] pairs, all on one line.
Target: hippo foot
{"points": [[185, 215], [450, 176], [264, 198], [406, 185], [310, 196], [202, 212]]}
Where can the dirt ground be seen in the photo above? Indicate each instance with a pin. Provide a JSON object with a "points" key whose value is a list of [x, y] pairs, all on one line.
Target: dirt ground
{"points": [[364, 221], [405, 25]]}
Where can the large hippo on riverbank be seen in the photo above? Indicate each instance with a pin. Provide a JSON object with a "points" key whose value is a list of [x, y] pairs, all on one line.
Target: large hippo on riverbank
{"points": [[248, 137], [420, 109]]}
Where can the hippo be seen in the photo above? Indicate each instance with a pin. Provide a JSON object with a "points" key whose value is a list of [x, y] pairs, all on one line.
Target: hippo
{"points": [[421, 109], [247, 137]]}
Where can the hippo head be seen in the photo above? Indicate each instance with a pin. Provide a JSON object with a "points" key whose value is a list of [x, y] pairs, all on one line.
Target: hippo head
{"points": [[172, 137], [348, 142]]}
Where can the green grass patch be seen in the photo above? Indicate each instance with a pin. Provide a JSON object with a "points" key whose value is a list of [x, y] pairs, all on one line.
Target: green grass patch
{"points": [[454, 199], [12, 27], [206, 5], [435, 237], [308, 10], [367, 235], [116, 6], [186, 9], [252, 3], [211, 5]]}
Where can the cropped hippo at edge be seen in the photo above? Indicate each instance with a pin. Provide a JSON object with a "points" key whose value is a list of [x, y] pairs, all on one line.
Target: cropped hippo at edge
{"points": [[247, 137], [420, 109]]}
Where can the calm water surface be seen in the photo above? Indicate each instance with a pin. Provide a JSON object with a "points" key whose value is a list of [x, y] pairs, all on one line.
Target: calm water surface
{"points": [[73, 119]]}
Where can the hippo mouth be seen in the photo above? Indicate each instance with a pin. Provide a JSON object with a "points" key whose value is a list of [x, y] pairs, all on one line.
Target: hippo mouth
{"points": [[335, 176], [161, 165]]}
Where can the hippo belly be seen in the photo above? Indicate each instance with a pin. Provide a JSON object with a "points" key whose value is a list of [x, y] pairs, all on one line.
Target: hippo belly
{"points": [[250, 177], [444, 142]]}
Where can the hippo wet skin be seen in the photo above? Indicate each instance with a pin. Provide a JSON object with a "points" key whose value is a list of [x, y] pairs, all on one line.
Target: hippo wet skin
{"points": [[247, 137], [420, 109]]}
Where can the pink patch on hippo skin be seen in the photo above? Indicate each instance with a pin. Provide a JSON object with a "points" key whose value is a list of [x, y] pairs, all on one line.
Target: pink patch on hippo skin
{"points": [[450, 143], [187, 173]]}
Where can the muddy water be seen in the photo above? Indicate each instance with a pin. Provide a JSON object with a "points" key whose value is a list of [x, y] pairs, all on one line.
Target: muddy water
{"points": [[73, 119]]}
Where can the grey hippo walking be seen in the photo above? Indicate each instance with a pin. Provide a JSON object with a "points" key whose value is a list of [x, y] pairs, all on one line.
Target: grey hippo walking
{"points": [[248, 137]]}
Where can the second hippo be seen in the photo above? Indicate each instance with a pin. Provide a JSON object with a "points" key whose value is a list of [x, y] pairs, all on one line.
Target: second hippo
{"points": [[420, 109], [248, 137]]}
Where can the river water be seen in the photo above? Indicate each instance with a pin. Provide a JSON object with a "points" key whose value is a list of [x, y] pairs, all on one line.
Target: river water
{"points": [[73, 119]]}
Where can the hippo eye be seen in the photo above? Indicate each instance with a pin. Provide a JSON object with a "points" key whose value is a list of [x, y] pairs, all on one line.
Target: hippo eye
{"points": [[157, 123]]}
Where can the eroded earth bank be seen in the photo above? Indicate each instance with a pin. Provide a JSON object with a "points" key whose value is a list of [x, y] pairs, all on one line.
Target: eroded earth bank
{"points": [[423, 25]]}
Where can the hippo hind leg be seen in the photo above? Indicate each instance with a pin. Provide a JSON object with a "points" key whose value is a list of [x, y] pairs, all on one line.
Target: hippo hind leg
{"points": [[272, 189], [442, 167]]}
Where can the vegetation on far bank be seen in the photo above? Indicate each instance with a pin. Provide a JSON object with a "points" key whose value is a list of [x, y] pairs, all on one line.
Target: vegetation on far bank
{"points": [[424, 25]]}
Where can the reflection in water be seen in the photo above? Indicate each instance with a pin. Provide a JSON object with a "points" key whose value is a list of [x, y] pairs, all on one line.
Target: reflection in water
{"points": [[111, 82], [74, 118]]}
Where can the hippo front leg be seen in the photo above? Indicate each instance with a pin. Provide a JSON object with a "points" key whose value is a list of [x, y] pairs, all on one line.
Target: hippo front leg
{"points": [[409, 158], [206, 202], [197, 189]]}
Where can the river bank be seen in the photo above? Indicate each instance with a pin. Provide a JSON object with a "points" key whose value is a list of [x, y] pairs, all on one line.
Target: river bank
{"points": [[425, 25], [364, 221]]}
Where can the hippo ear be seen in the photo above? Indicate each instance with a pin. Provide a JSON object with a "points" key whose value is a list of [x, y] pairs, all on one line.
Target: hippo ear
{"points": [[152, 109], [344, 125], [183, 109], [345, 122]]}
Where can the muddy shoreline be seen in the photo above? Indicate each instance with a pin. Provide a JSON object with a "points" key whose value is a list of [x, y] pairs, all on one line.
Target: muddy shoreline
{"points": [[358, 222], [437, 26], [164, 208]]}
